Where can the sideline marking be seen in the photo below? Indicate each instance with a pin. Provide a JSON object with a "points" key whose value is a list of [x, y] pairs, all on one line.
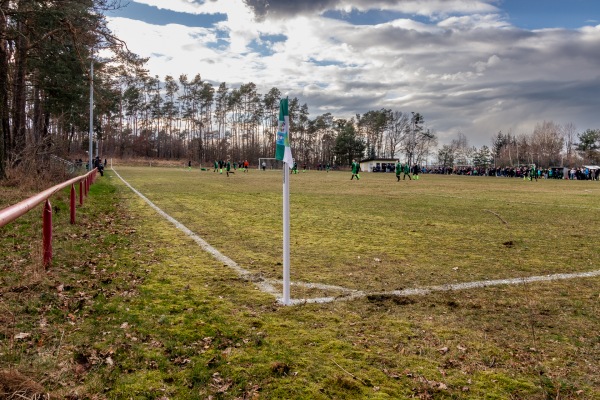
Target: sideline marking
{"points": [[264, 285], [268, 285]]}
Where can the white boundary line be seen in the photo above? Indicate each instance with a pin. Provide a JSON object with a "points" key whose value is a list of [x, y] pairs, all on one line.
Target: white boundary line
{"points": [[243, 273], [268, 285]]}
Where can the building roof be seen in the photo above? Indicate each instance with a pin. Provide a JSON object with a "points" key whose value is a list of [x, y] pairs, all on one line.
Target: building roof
{"points": [[379, 159]]}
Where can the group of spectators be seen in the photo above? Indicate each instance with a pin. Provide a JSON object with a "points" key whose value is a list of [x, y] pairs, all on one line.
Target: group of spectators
{"points": [[582, 173], [391, 167], [96, 162], [523, 171]]}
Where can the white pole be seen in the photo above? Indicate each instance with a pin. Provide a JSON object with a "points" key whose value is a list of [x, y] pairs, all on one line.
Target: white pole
{"points": [[91, 147], [286, 234]]}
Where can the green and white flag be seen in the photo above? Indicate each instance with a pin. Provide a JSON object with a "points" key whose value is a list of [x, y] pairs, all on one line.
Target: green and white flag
{"points": [[283, 152]]}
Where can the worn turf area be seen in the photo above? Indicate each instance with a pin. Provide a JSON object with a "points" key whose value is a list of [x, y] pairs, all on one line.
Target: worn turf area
{"points": [[144, 313], [378, 234]]}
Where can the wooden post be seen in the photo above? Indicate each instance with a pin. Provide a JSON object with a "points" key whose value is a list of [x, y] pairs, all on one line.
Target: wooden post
{"points": [[47, 233], [72, 204], [81, 192]]}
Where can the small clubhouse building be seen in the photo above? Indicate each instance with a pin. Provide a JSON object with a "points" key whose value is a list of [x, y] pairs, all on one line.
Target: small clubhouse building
{"points": [[378, 164]]}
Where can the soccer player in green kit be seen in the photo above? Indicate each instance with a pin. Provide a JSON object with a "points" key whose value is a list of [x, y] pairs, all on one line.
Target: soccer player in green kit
{"points": [[228, 168], [355, 170], [406, 170], [398, 170]]}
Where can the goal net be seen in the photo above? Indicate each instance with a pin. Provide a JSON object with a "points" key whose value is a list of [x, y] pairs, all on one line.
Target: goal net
{"points": [[270, 163]]}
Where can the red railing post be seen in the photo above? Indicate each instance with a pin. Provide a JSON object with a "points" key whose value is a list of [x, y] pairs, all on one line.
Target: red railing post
{"points": [[13, 212], [72, 204], [81, 192], [47, 233]]}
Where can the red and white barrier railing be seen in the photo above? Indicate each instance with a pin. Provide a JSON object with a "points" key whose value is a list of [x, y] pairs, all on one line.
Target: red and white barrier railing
{"points": [[13, 212]]}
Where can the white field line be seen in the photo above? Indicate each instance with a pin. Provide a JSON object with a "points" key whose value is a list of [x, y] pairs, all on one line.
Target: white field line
{"points": [[422, 291], [268, 285], [263, 285]]}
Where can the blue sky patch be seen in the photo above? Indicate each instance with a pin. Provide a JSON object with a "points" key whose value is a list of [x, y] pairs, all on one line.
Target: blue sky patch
{"points": [[264, 44], [273, 38], [538, 14], [325, 63], [526, 14], [257, 46], [220, 44], [155, 16]]}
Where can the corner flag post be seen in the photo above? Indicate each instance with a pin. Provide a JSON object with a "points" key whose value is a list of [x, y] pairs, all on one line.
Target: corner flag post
{"points": [[283, 152], [286, 235]]}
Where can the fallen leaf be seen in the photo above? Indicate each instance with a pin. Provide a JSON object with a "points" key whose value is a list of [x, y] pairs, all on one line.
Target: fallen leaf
{"points": [[22, 335]]}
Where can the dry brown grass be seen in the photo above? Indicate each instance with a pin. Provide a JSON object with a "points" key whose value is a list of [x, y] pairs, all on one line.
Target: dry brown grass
{"points": [[40, 309], [149, 162], [16, 386]]}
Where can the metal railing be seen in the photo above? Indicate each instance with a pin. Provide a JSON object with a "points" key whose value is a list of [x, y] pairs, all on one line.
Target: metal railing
{"points": [[13, 212]]}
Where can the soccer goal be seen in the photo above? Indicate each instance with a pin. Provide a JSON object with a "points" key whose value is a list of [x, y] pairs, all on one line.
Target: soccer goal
{"points": [[270, 163]]}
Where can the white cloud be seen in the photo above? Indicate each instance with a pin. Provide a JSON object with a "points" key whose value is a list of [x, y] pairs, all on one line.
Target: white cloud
{"points": [[481, 66], [183, 6], [470, 71], [427, 7]]}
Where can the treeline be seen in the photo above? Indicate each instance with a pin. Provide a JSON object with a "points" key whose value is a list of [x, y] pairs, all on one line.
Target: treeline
{"points": [[549, 145], [193, 119], [189, 118], [47, 50]]}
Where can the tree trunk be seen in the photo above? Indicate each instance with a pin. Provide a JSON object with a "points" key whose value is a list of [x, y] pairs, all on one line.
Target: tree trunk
{"points": [[19, 100], [46, 138], [4, 93], [38, 117]]}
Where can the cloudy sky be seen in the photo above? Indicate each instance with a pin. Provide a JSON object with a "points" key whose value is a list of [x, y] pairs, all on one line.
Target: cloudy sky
{"points": [[470, 66]]}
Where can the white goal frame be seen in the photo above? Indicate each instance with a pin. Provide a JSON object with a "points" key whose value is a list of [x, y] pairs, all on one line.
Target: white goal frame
{"points": [[272, 163]]}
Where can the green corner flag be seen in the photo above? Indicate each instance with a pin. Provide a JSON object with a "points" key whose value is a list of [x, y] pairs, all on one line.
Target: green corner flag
{"points": [[283, 152]]}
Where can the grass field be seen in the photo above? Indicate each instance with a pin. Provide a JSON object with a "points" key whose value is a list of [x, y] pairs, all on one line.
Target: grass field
{"points": [[163, 319], [377, 234]]}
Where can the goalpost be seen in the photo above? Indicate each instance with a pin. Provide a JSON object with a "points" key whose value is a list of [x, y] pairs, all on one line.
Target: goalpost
{"points": [[270, 163]]}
